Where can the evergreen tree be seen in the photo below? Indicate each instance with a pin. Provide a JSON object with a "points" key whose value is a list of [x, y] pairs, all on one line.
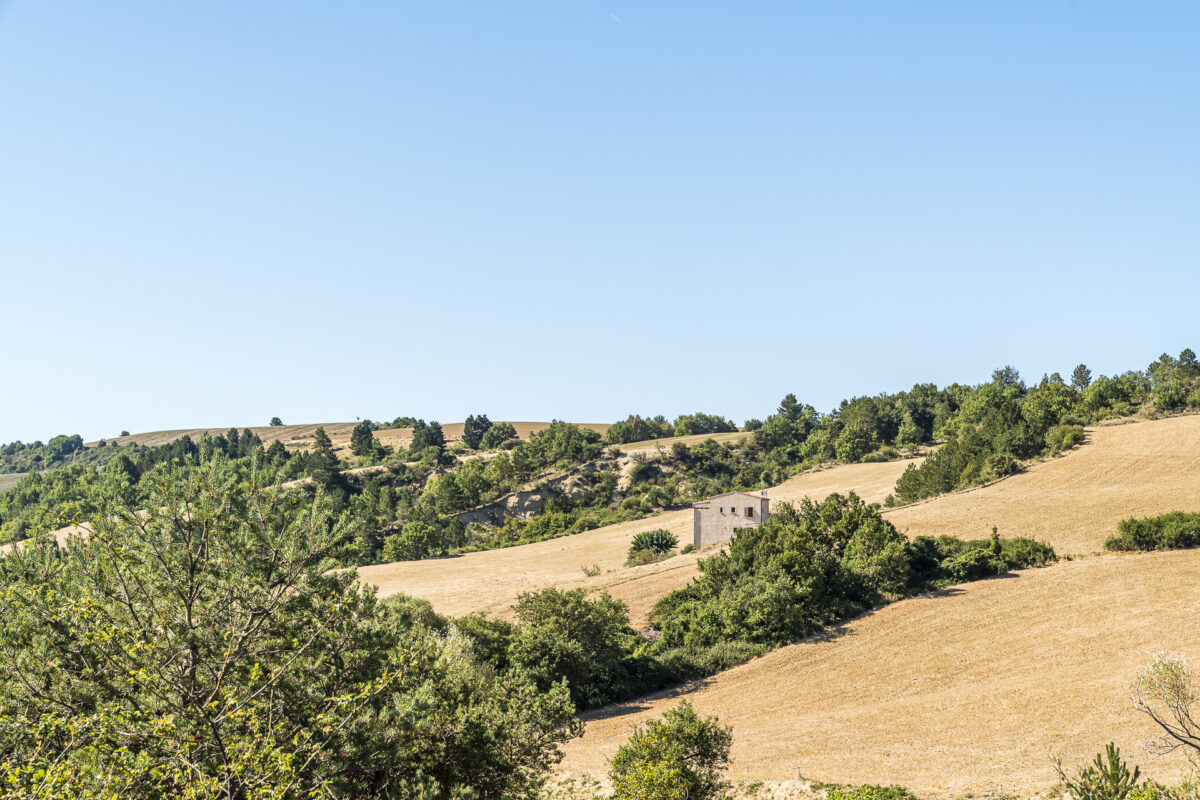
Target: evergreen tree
{"points": [[321, 440], [497, 435], [425, 436], [277, 453], [276, 422], [474, 429], [1081, 378], [362, 440]]}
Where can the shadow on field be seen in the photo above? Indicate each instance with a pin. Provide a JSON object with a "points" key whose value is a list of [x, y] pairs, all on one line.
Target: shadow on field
{"points": [[830, 634]]}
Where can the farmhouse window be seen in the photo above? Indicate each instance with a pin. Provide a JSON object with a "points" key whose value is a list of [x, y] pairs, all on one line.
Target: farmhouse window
{"points": [[749, 511]]}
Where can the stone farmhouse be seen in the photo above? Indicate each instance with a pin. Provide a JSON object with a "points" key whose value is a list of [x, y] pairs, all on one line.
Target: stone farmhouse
{"points": [[718, 518]]}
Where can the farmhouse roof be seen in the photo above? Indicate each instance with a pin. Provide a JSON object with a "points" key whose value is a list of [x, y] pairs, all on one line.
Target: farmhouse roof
{"points": [[705, 503]]}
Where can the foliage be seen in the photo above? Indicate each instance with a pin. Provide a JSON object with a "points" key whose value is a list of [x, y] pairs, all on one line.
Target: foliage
{"points": [[1164, 692], [276, 422], [563, 635], [636, 429], [658, 541], [680, 756], [497, 435], [1172, 531], [804, 568], [869, 792], [699, 423], [474, 429], [199, 645], [1107, 778], [808, 567], [362, 440]]}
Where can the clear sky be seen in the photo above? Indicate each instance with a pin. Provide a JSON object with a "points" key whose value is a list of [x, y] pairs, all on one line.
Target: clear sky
{"points": [[216, 212]]}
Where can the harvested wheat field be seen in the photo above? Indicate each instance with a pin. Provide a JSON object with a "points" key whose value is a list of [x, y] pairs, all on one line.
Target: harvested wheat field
{"points": [[300, 437], [1074, 502], [966, 690], [490, 580]]}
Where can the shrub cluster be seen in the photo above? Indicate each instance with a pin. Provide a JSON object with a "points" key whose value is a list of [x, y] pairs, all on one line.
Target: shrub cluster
{"points": [[1172, 531]]}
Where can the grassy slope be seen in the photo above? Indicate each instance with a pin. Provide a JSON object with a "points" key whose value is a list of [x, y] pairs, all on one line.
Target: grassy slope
{"points": [[1075, 502], [972, 688], [491, 580], [300, 436], [966, 690], [11, 479]]}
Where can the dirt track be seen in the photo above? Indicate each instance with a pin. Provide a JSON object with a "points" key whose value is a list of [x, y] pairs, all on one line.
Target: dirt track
{"points": [[968, 690], [491, 580]]}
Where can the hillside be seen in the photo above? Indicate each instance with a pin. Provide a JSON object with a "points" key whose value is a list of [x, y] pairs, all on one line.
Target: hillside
{"points": [[965, 690], [1074, 502], [490, 580], [300, 436]]}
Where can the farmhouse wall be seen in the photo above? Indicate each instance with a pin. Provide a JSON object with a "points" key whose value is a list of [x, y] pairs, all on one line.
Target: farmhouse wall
{"points": [[718, 518]]}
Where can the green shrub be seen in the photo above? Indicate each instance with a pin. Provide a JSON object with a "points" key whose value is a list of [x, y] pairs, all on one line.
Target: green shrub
{"points": [[1173, 531], [869, 792], [658, 541], [690, 663], [679, 756], [639, 558], [1107, 778], [1063, 437], [687, 548], [999, 465]]}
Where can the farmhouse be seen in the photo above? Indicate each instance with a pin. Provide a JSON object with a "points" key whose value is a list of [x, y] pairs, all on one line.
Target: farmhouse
{"points": [[718, 518]]}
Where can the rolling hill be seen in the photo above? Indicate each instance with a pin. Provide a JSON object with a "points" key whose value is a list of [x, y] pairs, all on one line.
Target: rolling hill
{"points": [[300, 436], [1075, 501], [970, 689], [490, 580]]}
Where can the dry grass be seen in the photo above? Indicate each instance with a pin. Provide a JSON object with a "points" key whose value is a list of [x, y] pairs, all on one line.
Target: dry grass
{"points": [[651, 445], [967, 690], [491, 580], [971, 689], [10, 479], [300, 437], [1075, 502]]}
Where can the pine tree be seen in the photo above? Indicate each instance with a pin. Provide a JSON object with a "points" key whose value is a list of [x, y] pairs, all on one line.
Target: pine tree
{"points": [[474, 430], [1081, 378], [362, 440]]}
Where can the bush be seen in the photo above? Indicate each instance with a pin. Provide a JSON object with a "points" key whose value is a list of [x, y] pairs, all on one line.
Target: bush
{"points": [[679, 756], [1107, 778], [639, 558], [1063, 437], [658, 541], [869, 792], [563, 635], [1173, 531], [690, 663]]}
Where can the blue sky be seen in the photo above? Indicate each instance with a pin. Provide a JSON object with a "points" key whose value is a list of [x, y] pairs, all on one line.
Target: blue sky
{"points": [[213, 213]]}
